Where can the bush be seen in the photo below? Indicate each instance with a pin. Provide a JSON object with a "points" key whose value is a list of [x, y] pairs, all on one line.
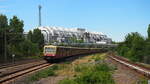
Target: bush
{"points": [[96, 74], [57, 67], [67, 62], [102, 67], [97, 77], [54, 67], [98, 57], [24, 49], [78, 68], [133, 48], [82, 68], [91, 74], [67, 81]]}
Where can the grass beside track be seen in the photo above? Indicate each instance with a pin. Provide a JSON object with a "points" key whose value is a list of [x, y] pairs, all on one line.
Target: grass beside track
{"points": [[69, 68], [43, 73], [91, 70]]}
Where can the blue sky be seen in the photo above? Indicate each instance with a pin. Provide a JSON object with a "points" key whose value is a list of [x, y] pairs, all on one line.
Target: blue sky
{"points": [[114, 18]]}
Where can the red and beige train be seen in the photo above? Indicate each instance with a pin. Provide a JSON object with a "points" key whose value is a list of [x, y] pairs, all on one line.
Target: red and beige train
{"points": [[58, 52]]}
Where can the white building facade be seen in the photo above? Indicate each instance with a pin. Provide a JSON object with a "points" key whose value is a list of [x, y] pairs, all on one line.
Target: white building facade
{"points": [[59, 34]]}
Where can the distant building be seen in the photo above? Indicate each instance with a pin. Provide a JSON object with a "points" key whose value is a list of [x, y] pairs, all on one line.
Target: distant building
{"points": [[25, 34], [59, 34]]}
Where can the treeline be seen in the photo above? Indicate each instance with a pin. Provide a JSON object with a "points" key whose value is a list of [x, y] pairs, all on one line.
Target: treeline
{"points": [[13, 41], [136, 47]]}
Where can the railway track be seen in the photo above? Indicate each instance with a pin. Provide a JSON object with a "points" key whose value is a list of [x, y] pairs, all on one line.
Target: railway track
{"points": [[12, 69], [145, 71], [13, 76], [10, 64]]}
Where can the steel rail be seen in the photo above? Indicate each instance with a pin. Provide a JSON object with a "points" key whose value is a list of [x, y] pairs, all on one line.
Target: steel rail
{"points": [[138, 68], [8, 78]]}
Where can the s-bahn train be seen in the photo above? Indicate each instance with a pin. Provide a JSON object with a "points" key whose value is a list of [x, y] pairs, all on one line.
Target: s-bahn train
{"points": [[52, 52]]}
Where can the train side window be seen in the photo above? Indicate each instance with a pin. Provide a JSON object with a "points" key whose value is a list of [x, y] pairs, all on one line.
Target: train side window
{"points": [[50, 49]]}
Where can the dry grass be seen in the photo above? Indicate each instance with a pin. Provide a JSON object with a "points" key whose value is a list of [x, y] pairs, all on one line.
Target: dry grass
{"points": [[68, 69]]}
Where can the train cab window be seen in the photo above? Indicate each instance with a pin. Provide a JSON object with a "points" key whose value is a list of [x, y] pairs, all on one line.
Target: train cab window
{"points": [[49, 50]]}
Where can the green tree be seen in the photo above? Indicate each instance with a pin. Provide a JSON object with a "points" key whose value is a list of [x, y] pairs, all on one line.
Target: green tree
{"points": [[24, 49], [122, 49], [16, 30], [147, 47], [29, 36], [15, 37], [138, 43], [133, 47], [148, 31], [29, 48], [3, 22], [38, 38], [147, 52], [3, 27], [15, 40]]}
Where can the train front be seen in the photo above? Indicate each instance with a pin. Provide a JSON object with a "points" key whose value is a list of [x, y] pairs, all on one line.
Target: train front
{"points": [[49, 52]]}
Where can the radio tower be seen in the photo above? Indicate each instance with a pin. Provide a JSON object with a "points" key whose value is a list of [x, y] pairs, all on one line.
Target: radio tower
{"points": [[40, 15]]}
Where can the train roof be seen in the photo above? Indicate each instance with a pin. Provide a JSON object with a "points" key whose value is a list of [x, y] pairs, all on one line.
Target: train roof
{"points": [[81, 46]]}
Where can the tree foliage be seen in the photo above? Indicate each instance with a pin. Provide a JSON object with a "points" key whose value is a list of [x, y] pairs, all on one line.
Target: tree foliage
{"points": [[29, 36], [148, 31], [29, 48], [12, 40], [3, 27], [135, 47], [36, 37], [16, 30]]}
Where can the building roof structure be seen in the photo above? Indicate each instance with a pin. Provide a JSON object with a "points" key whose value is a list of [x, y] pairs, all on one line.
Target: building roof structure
{"points": [[60, 34]]}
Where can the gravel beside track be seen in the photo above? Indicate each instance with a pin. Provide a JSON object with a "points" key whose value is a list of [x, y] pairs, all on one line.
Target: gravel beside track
{"points": [[13, 69], [123, 74], [127, 71], [8, 73], [145, 71]]}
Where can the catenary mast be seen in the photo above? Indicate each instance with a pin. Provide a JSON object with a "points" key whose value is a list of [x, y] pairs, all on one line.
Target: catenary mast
{"points": [[39, 15]]}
